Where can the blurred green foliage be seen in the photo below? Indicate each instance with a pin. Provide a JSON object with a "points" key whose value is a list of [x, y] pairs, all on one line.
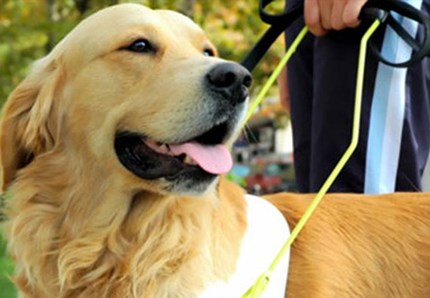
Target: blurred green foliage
{"points": [[7, 290], [29, 29]]}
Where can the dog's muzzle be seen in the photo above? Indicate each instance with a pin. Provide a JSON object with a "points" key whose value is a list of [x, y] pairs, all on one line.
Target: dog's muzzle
{"points": [[202, 154]]}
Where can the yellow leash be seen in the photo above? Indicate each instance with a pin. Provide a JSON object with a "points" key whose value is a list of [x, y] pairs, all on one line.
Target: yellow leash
{"points": [[275, 73], [257, 289]]}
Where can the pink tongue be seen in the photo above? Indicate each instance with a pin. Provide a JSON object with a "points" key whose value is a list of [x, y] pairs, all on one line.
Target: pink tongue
{"points": [[212, 159]]}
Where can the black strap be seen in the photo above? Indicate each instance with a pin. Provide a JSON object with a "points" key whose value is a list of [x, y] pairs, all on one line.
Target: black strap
{"points": [[278, 23], [420, 49]]}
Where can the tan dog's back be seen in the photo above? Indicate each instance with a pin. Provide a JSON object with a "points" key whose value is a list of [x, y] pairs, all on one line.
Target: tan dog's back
{"points": [[360, 246]]}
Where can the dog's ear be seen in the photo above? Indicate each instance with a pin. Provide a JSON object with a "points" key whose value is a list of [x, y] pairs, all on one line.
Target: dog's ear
{"points": [[28, 126]]}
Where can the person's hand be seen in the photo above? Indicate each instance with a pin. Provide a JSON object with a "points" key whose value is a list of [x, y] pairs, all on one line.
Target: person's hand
{"points": [[324, 15]]}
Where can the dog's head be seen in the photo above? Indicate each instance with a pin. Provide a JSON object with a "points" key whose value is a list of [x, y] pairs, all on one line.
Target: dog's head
{"points": [[136, 92]]}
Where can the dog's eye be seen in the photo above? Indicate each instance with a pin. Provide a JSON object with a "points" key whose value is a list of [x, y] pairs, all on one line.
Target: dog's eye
{"points": [[209, 52], [141, 46]]}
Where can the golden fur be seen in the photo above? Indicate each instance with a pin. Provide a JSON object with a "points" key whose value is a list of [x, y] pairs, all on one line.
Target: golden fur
{"points": [[360, 246], [81, 225]]}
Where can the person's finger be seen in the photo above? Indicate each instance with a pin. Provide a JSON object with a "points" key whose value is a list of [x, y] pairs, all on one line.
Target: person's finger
{"points": [[312, 17], [351, 12], [325, 8], [336, 16]]}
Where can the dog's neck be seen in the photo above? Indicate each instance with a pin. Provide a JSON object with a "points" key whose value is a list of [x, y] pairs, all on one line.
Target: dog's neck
{"points": [[85, 236]]}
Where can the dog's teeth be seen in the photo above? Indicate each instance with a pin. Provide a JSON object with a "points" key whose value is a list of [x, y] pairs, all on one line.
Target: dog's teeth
{"points": [[189, 160], [164, 148]]}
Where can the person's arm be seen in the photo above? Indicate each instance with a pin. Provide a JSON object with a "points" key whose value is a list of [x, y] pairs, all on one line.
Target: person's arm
{"points": [[324, 15], [284, 95]]}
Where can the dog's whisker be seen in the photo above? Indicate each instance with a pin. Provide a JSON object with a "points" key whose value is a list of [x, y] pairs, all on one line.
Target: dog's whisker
{"points": [[249, 135]]}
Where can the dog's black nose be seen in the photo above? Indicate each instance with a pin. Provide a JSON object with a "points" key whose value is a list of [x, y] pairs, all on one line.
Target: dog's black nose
{"points": [[230, 79]]}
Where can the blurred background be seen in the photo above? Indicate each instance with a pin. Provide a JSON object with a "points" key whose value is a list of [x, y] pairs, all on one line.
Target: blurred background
{"points": [[29, 29]]}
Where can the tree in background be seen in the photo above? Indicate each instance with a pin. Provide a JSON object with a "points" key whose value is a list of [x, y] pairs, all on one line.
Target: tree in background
{"points": [[29, 29]]}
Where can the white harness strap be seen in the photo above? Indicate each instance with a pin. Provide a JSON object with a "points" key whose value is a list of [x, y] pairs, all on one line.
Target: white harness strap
{"points": [[266, 233]]}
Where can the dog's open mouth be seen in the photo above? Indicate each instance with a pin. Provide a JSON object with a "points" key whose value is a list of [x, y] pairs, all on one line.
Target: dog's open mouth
{"points": [[150, 159]]}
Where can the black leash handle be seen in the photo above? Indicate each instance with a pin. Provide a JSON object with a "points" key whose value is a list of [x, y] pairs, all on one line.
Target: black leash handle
{"points": [[279, 23], [373, 9], [419, 49]]}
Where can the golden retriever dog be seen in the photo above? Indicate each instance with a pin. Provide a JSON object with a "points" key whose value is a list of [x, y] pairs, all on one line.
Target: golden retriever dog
{"points": [[112, 151]]}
